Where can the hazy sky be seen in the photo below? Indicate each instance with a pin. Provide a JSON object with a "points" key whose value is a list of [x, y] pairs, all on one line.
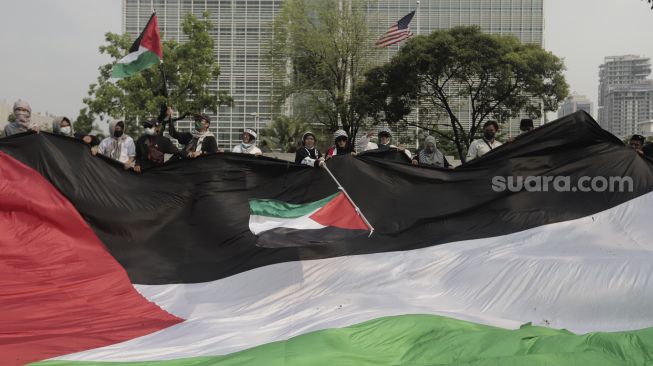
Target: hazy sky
{"points": [[49, 48]]}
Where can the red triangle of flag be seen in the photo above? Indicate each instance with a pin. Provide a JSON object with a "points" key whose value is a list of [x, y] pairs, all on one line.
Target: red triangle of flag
{"points": [[150, 38], [340, 213]]}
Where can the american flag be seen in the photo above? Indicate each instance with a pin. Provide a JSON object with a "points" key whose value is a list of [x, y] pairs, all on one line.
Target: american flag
{"points": [[398, 32]]}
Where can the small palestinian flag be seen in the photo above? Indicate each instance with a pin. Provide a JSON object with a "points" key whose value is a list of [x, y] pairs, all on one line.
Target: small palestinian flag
{"points": [[145, 52], [319, 222]]}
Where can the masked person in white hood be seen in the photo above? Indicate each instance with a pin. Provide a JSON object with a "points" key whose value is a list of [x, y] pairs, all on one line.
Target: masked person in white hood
{"points": [[152, 147], [248, 144], [23, 123], [118, 146], [61, 126]]}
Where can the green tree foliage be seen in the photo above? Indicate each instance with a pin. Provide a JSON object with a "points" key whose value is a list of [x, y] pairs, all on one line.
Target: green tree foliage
{"points": [[189, 68], [462, 70], [319, 52], [283, 135], [11, 118], [84, 122]]}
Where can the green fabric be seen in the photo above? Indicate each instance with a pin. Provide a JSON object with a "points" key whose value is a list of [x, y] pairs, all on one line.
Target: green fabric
{"points": [[285, 210], [432, 340], [143, 61]]}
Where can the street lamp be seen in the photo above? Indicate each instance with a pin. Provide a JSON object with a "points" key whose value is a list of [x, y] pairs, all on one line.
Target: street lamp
{"points": [[255, 115]]}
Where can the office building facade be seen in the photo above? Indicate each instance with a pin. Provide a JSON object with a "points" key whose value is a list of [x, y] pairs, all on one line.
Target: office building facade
{"points": [[242, 31], [575, 103], [625, 94]]}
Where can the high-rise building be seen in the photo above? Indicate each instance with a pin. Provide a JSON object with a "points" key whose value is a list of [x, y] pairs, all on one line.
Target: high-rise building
{"points": [[242, 31], [521, 18], [575, 103], [625, 94]]}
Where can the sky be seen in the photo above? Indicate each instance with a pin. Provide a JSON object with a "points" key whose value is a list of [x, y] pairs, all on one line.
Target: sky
{"points": [[49, 48]]}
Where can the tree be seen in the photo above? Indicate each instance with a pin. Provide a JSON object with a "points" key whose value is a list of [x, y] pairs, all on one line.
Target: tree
{"points": [[284, 134], [462, 70], [189, 68], [84, 122], [319, 52], [11, 118]]}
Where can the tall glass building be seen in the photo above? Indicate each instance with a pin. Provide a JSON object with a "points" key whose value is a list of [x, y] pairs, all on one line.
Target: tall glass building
{"points": [[242, 31]]}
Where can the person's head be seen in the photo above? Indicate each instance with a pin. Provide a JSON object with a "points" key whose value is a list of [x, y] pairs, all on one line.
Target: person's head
{"points": [[384, 136], [151, 127], [490, 129], [308, 139], [202, 122], [22, 111], [117, 128], [61, 125], [637, 142], [526, 125], [429, 144], [340, 139], [249, 135]]}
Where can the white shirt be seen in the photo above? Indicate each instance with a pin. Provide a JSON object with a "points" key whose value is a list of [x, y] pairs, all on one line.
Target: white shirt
{"points": [[252, 150], [481, 147], [127, 148]]}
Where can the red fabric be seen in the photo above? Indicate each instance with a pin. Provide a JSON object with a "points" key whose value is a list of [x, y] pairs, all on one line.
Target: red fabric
{"points": [[340, 213], [330, 152], [60, 290], [151, 38]]}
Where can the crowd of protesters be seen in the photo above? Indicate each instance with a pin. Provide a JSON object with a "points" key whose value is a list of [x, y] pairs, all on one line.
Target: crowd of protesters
{"points": [[151, 148]]}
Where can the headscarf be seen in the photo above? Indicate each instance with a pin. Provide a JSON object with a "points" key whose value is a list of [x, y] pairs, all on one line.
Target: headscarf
{"points": [[336, 135], [434, 157], [56, 125], [23, 119], [116, 142]]}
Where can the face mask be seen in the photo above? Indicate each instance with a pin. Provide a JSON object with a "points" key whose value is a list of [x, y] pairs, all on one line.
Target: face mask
{"points": [[150, 131], [488, 135], [117, 133], [65, 130], [22, 116], [199, 125]]}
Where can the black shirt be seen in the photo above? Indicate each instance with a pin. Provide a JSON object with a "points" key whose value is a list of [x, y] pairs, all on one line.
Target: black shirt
{"points": [[150, 150]]}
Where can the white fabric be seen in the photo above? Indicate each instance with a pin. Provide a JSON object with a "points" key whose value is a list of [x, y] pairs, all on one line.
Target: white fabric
{"points": [[131, 57], [479, 148], [589, 274], [252, 149], [259, 224], [127, 148]]}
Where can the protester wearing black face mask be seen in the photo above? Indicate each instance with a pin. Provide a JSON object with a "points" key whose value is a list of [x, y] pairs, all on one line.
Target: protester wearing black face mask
{"points": [[152, 147], [199, 141], [488, 143], [118, 146]]}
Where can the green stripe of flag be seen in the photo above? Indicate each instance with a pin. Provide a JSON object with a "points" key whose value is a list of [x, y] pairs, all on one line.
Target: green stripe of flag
{"points": [[144, 60], [274, 208], [432, 340]]}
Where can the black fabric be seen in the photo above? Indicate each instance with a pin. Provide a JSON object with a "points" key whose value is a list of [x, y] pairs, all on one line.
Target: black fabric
{"points": [[150, 150], [187, 221]]}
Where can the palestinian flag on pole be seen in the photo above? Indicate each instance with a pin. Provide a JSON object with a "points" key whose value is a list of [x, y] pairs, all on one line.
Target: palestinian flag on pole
{"points": [[144, 52], [281, 224], [166, 271]]}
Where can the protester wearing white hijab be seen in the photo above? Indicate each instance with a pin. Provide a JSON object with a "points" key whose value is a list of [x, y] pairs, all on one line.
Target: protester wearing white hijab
{"points": [[430, 155], [61, 126], [23, 123], [118, 146]]}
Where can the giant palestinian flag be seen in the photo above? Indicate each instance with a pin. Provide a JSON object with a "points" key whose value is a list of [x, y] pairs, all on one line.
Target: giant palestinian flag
{"points": [[144, 52], [236, 260]]}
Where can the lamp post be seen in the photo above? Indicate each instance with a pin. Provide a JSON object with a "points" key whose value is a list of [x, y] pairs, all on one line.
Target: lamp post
{"points": [[255, 115]]}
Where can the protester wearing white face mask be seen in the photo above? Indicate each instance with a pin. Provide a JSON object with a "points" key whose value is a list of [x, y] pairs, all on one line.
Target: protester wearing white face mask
{"points": [[152, 147], [248, 144], [23, 123], [61, 126]]}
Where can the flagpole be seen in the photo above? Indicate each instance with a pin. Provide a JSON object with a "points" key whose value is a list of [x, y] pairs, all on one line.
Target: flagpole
{"points": [[417, 14], [358, 210]]}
